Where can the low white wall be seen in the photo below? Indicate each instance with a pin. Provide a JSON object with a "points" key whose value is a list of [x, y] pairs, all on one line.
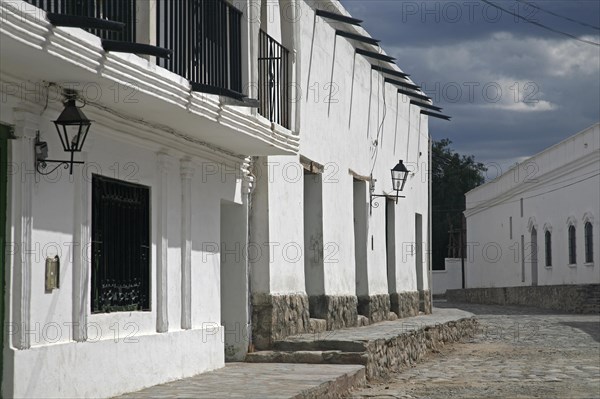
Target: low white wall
{"points": [[114, 364], [448, 279]]}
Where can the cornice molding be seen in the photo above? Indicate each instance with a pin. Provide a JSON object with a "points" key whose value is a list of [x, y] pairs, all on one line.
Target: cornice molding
{"points": [[591, 158]]}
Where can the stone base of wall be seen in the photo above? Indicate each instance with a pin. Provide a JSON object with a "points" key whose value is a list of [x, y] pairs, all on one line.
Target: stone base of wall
{"points": [[425, 301], [339, 311], [405, 304], [389, 356], [275, 317], [375, 307], [568, 298]]}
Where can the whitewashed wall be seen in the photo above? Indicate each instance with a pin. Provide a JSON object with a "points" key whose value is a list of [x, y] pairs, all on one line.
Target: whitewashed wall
{"points": [[448, 279], [559, 186], [120, 342], [338, 130]]}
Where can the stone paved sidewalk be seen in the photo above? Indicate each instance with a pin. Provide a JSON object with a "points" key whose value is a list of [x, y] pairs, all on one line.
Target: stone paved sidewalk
{"points": [[297, 380], [261, 381], [518, 353]]}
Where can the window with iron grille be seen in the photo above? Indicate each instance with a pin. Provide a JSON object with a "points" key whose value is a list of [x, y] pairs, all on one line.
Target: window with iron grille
{"points": [[572, 246], [120, 246], [548, 242], [589, 242]]}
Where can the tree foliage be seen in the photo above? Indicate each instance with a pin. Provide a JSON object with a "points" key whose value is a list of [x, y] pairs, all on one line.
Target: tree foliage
{"points": [[453, 175]]}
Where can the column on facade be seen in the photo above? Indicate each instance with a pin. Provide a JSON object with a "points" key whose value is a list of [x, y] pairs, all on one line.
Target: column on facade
{"points": [[162, 317], [26, 128], [81, 253], [187, 172]]}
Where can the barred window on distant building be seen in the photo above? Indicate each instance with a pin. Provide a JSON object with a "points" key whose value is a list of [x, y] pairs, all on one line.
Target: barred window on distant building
{"points": [[572, 246], [548, 242], [589, 242]]}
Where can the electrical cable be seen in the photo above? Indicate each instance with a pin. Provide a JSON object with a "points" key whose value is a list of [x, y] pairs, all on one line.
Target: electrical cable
{"points": [[558, 15], [540, 25]]}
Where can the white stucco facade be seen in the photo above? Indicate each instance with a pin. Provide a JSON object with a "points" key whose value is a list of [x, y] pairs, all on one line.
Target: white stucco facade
{"points": [[450, 278], [229, 196], [354, 128], [547, 193], [189, 149]]}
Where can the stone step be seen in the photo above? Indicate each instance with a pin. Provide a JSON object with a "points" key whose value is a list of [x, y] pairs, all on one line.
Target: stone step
{"points": [[309, 357], [318, 325], [326, 342], [383, 348]]}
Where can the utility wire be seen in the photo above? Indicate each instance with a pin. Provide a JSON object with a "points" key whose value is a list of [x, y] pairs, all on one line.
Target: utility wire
{"points": [[558, 15], [541, 25]]}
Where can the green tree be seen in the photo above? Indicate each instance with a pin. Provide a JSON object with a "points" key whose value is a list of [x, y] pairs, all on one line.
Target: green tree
{"points": [[453, 175]]}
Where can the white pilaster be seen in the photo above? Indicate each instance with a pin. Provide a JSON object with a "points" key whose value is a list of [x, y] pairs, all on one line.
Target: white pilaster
{"points": [[26, 128], [162, 316], [82, 252], [187, 172]]}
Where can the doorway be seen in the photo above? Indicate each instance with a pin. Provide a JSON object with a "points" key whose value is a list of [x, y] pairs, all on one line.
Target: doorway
{"points": [[234, 281], [534, 257], [4, 134], [314, 272], [361, 212], [419, 259], [390, 244]]}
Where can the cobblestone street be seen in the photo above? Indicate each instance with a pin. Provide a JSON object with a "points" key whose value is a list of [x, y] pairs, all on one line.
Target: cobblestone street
{"points": [[518, 353]]}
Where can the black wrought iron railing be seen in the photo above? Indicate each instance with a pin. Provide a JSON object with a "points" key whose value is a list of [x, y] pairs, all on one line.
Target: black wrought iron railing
{"points": [[206, 40], [273, 81], [123, 11], [200, 40]]}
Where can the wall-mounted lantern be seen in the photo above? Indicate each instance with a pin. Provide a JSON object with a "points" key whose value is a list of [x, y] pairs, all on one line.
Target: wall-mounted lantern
{"points": [[399, 176], [72, 126]]}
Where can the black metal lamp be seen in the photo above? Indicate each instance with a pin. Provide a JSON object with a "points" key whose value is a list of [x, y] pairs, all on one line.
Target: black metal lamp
{"points": [[72, 126], [399, 176]]}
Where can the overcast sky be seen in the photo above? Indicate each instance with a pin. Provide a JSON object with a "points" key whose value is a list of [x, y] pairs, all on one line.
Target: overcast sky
{"points": [[465, 52]]}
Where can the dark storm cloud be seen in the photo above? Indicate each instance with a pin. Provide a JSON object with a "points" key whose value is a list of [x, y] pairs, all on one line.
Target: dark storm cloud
{"points": [[512, 88], [449, 21]]}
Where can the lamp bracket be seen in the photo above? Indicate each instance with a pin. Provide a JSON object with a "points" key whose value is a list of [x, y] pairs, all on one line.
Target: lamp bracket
{"points": [[374, 197], [41, 165]]}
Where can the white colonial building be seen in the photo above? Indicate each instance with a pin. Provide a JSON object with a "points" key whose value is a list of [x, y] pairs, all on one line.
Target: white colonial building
{"points": [[193, 223], [538, 223], [329, 252]]}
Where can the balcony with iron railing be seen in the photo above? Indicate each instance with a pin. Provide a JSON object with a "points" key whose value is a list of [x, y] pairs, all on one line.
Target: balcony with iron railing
{"points": [[108, 19], [188, 63], [273, 81], [206, 40], [200, 40]]}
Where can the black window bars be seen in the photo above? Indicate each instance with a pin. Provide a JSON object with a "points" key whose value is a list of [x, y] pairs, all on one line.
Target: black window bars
{"points": [[273, 81], [120, 246]]}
